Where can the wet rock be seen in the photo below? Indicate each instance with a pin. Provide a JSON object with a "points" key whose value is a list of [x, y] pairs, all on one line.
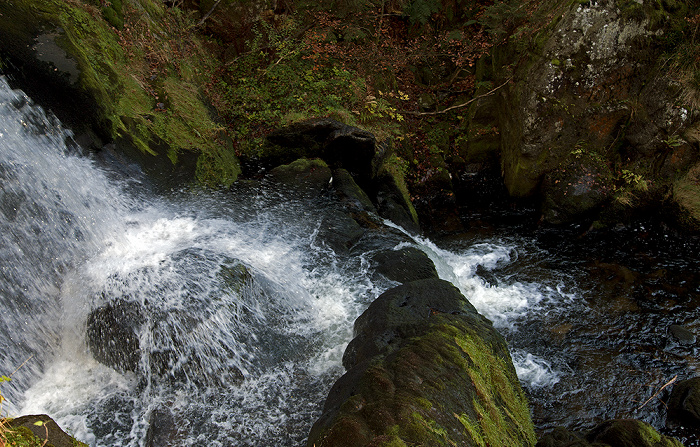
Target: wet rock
{"points": [[394, 202], [613, 433], [684, 402], [34, 54], [340, 232], [404, 265], [400, 313], [162, 429], [486, 275], [561, 437], [313, 175], [423, 370], [177, 341], [682, 334], [350, 192], [111, 335], [45, 429], [591, 87], [629, 433]]}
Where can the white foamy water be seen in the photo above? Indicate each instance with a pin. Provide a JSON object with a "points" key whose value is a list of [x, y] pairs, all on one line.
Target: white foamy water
{"points": [[240, 315], [233, 314], [503, 300]]}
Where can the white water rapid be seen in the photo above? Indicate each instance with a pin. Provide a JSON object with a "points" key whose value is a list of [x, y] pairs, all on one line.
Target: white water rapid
{"points": [[240, 315]]}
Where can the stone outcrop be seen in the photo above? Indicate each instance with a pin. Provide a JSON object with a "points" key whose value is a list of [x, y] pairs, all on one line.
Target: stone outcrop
{"points": [[684, 403], [591, 123], [613, 433], [426, 369], [70, 56], [356, 153]]}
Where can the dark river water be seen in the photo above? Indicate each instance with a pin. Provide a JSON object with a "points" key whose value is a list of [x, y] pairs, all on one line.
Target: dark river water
{"points": [[245, 311]]}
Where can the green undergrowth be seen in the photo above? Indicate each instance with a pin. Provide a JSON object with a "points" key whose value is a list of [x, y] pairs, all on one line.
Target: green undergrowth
{"points": [[276, 83]]}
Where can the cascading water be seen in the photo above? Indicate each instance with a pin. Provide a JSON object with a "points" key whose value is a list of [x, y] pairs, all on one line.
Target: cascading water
{"points": [[223, 316], [239, 315]]}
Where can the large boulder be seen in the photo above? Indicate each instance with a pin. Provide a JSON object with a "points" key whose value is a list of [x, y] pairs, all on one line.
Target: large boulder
{"points": [[594, 85], [425, 369], [612, 433], [684, 403], [175, 341], [349, 151], [75, 61], [404, 265]]}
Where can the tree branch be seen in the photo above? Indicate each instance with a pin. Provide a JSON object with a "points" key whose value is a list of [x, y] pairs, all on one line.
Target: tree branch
{"points": [[657, 393], [206, 16], [476, 98]]}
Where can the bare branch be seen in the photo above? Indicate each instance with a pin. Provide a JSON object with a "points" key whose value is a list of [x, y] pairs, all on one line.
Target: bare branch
{"points": [[206, 16], [476, 98], [657, 393]]}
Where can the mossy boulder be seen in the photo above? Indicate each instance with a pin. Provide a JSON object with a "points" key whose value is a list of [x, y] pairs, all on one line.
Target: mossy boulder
{"points": [[393, 199], [613, 433], [68, 50], [312, 175], [350, 192], [425, 369], [630, 433], [684, 403]]}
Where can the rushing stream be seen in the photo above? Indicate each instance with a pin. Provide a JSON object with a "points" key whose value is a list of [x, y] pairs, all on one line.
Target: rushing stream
{"points": [[242, 312]]}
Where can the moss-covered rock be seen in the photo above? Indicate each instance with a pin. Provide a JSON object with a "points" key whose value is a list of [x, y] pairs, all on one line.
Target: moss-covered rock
{"points": [[684, 402], [425, 369], [630, 433], [36, 431], [593, 79], [613, 433], [313, 175], [393, 199], [131, 85]]}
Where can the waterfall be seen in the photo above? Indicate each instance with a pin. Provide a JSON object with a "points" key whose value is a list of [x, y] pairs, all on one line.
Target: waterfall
{"points": [[137, 317], [240, 315]]}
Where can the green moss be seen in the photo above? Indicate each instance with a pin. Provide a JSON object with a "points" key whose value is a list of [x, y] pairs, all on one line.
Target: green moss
{"points": [[21, 437], [501, 405], [395, 441], [160, 113], [473, 429], [396, 168]]}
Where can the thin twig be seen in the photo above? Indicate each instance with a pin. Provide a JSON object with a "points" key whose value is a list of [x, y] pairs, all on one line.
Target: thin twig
{"points": [[657, 393], [23, 363], [206, 16], [476, 98]]}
